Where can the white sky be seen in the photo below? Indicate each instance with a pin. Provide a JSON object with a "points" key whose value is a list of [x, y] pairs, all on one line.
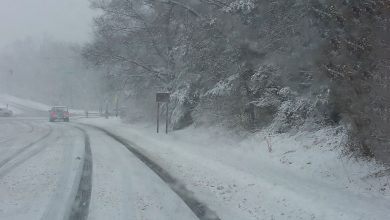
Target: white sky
{"points": [[65, 20]]}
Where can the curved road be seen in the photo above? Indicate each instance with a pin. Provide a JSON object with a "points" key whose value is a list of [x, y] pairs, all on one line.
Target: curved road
{"points": [[72, 171]]}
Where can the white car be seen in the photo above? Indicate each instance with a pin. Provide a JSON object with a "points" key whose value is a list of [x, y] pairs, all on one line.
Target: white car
{"points": [[5, 112]]}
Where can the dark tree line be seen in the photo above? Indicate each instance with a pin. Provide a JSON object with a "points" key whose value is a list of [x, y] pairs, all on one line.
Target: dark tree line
{"points": [[251, 63], [356, 61]]}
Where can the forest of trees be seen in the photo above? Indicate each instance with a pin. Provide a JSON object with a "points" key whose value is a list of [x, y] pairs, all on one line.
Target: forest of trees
{"points": [[252, 64]]}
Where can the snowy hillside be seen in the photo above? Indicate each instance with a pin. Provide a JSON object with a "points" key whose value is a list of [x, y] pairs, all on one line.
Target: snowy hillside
{"points": [[15, 101]]}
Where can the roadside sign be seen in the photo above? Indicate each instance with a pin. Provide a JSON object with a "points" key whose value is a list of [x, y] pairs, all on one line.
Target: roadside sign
{"points": [[162, 97]]}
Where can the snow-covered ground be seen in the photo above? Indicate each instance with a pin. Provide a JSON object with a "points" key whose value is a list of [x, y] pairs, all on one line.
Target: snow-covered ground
{"points": [[262, 176], [299, 176]]}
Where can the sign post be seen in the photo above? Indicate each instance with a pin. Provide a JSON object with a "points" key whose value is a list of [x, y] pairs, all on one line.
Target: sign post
{"points": [[158, 116], [166, 119], [162, 97]]}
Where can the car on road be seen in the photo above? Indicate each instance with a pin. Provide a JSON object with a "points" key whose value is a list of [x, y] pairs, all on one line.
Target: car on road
{"points": [[59, 113], [4, 112]]}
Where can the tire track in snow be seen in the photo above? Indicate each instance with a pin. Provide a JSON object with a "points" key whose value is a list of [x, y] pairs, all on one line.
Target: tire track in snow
{"points": [[23, 149], [198, 208], [80, 207], [31, 127]]}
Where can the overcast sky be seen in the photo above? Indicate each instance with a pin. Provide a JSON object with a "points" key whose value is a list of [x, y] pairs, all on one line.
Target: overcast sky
{"points": [[68, 20]]}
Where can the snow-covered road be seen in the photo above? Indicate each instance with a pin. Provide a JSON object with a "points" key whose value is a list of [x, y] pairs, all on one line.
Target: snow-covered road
{"points": [[68, 171]]}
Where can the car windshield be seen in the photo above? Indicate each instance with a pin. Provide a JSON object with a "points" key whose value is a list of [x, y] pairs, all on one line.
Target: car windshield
{"points": [[195, 109]]}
